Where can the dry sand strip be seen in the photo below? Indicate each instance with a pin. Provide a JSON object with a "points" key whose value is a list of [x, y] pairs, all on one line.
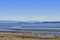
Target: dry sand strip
{"points": [[28, 36]]}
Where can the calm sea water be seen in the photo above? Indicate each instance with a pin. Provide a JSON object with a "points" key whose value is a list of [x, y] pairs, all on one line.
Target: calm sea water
{"points": [[35, 30], [49, 28]]}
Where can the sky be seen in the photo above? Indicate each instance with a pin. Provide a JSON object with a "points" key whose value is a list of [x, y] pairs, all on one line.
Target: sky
{"points": [[30, 10]]}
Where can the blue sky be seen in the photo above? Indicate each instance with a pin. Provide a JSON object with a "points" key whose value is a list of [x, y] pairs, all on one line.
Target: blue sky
{"points": [[30, 10]]}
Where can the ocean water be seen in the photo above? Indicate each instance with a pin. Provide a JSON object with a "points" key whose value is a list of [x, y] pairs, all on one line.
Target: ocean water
{"points": [[35, 30], [48, 28]]}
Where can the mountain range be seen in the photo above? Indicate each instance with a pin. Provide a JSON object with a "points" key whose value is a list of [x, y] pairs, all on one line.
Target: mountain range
{"points": [[29, 23]]}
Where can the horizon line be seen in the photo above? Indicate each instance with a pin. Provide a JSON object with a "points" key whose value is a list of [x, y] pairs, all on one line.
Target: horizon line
{"points": [[31, 21]]}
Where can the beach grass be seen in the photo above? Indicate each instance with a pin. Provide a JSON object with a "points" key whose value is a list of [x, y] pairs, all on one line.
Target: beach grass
{"points": [[28, 36]]}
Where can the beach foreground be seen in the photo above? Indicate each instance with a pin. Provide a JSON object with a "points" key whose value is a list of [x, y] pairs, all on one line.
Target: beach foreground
{"points": [[28, 36]]}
